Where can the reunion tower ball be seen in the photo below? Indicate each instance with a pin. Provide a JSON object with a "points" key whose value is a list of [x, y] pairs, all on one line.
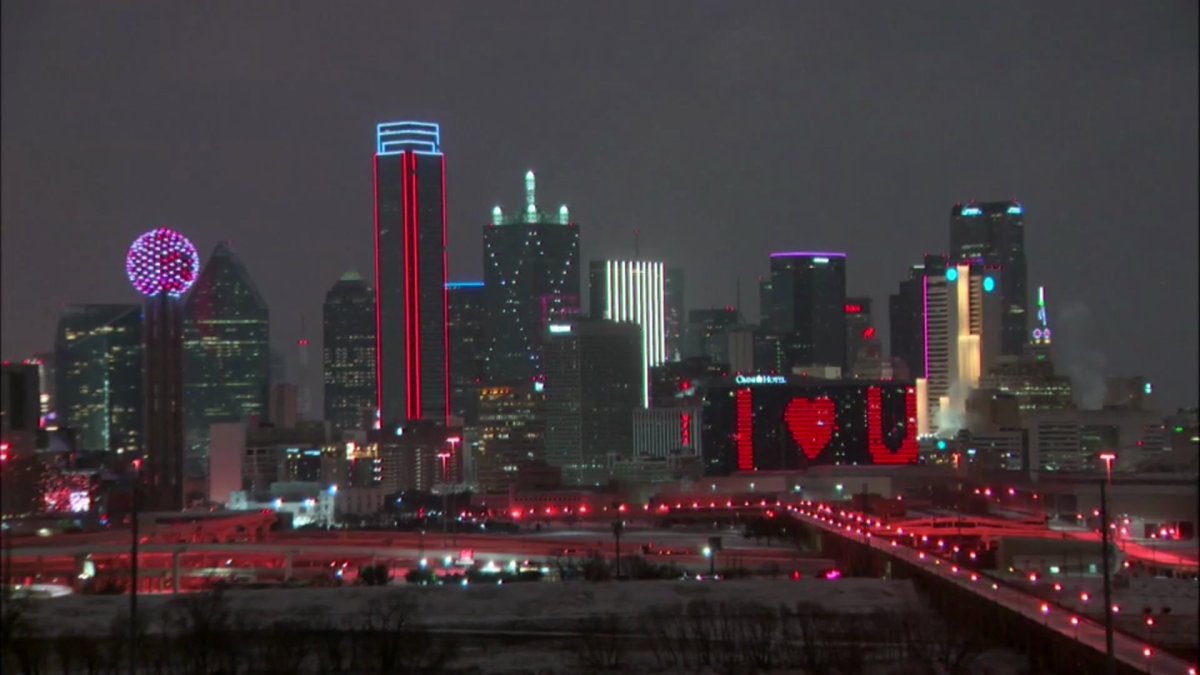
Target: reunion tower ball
{"points": [[162, 261]]}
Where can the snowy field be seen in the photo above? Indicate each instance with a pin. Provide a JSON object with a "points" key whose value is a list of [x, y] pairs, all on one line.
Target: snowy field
{"points": [[560, 628], [514, 606]]}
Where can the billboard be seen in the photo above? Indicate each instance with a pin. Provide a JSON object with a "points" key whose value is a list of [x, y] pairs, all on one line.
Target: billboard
{"points": [[774, 423]]}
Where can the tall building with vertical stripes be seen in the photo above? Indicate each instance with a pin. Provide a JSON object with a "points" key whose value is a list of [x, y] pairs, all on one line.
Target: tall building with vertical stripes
{"points": [[411, 365], [633, 291]]}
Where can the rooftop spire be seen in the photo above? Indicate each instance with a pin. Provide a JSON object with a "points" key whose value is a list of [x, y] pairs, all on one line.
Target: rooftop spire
{"points": [[530, 196]]}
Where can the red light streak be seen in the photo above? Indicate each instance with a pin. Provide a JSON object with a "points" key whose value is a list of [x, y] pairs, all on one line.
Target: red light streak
{"points": [[685, 429], [445, 304], [378, 296], [743, 401], [414, 402]]}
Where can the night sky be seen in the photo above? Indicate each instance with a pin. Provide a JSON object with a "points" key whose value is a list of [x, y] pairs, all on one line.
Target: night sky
{"points": [[723, 130]]}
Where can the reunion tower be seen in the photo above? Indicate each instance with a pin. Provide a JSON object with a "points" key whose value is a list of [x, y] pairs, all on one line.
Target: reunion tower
{"points": [[162, 265]]}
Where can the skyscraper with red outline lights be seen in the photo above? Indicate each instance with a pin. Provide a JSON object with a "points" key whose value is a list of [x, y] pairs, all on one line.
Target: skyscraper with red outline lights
{"points": [[411, 368]]}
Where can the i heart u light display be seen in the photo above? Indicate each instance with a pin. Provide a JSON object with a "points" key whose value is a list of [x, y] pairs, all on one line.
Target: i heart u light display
{"points": [[811, 421]]}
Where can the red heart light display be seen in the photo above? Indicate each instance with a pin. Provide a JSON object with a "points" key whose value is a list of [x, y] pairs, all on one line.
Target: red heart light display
{"points": [[811, 423]]}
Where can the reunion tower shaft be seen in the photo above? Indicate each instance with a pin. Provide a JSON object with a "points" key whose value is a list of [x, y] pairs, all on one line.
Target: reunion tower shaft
{"points": [[162, 265], [163, 468]]}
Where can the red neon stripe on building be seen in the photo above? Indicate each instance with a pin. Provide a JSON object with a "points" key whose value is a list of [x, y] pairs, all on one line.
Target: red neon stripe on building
{"points": [[378, 290], [414, 406], [685, 429], [408, 281], [445, 303], [743, 404]]}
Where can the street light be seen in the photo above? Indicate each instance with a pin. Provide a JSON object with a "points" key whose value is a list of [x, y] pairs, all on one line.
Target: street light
{"points": [[445, 457], [1108, 458]]}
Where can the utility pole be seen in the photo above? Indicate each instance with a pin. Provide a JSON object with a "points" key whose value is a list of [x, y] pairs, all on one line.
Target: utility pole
{"points": [[1111, 668]]}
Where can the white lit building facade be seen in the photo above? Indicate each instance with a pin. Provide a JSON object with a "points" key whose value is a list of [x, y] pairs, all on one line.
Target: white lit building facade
{"points": [[633, 291]]}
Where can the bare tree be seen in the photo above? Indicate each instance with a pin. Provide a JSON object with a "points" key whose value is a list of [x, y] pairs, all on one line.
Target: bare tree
{"points": [[603, 645]]}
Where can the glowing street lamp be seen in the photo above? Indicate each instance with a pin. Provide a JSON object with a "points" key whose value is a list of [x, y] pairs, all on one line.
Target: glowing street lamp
{"points": [[1108, 458]]}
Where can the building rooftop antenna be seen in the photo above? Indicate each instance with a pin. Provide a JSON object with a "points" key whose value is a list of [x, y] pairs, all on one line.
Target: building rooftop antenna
{"points": [[637, 244]]}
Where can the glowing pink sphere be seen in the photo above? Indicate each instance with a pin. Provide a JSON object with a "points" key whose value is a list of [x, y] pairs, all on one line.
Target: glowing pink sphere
{"points": [[162, 261]]}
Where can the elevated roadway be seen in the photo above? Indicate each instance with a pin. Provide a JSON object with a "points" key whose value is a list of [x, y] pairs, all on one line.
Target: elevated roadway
{"points": [[1130, 651]]}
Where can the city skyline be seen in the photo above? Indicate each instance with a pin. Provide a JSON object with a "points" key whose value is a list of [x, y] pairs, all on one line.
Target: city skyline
{"points": [[1081, 195]]}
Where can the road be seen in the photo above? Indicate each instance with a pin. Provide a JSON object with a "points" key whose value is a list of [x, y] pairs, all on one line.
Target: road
{"points": [[1127, 649]]}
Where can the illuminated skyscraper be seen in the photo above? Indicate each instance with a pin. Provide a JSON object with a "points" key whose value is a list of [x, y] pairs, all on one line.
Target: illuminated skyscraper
{"points": [[412, 369], [808, 305], [976, 320], [676, 313], [512, 428], [226, 351], [633, 291], [349, 336], [921, 333], [98, 376], [1041, 337], [994, 233], [467, 319], [531, 276]]}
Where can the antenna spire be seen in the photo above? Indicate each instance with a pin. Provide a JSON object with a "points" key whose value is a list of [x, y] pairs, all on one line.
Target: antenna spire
{"points": [[530, 197], [737, 298], [637, 244]]}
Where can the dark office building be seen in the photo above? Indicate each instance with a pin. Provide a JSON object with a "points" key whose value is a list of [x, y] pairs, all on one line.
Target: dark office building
{"points": [[45, 365], [98, 376], [512, 432], [907, 324], [994, 233], [675, 313], [704, 326], [808, 304], [21, 468], [594, 382], [465, 300], [412, 379], [19, 409], [531, 275], [764, 304], [776, 422], [226, 352], [678, 382], [349, 348], [859, 328]]}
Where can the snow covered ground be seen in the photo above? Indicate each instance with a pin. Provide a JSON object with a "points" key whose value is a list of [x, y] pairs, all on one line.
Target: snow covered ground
{"points": [[512, 606], [538, 628]]}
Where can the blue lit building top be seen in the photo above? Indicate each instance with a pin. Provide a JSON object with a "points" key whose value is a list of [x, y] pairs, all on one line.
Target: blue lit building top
{"points": [[1014, 208], [396, 137], [451, 285]]}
